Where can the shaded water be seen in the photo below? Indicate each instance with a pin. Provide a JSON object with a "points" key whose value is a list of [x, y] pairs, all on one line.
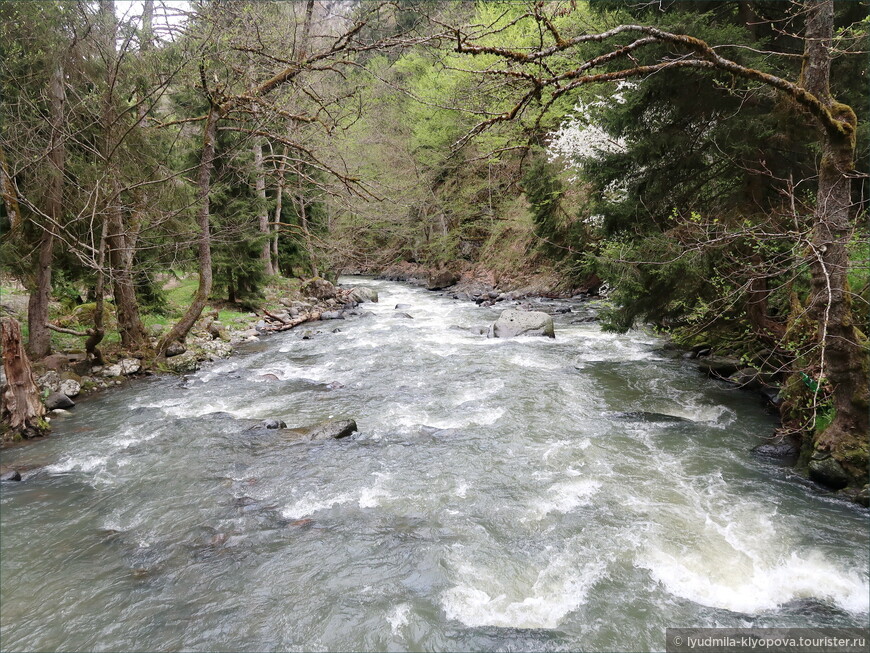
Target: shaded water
{"points": [[533, 515]]}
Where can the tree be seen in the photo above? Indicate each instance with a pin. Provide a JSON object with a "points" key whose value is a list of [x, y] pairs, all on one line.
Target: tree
{"points": [[252, 103], [552, 70], [22, 409]]}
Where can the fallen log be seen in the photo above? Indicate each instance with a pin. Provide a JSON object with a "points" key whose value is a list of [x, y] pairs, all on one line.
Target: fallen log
{"points": [[308, 317]]}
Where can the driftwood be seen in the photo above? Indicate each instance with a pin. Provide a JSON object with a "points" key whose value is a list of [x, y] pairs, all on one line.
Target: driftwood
{"points": [[277, 318], [308, 317], [20, 404]]}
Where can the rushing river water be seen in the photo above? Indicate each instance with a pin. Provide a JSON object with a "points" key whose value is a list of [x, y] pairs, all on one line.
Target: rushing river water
{"points": [[533, 514]]}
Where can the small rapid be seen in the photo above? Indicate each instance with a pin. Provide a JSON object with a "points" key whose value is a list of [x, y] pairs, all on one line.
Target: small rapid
{"points": [[585, 493]]}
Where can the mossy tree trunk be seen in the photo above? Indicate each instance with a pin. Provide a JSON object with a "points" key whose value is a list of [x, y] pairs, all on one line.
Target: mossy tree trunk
{"points": [[842, 349]]}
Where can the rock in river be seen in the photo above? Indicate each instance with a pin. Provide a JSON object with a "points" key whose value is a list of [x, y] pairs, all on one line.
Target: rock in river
{"points": [[530, 323], [362, 294], [10, 475], [440, 279], [58, 400], [332, 429]]}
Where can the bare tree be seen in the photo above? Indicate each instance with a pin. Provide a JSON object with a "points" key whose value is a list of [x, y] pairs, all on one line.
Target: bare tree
{"points": [[234, 109]]}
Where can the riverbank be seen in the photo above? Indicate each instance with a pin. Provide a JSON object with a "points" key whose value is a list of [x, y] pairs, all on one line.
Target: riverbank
{"points": [[66, 376]]}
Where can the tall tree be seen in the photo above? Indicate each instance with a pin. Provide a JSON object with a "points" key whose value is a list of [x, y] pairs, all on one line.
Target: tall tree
{"points": [[119, 238]]}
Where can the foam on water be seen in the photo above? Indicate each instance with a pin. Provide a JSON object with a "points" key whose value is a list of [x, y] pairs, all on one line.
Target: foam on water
{"points": [[486, 599], [398, 617], [565, 496], [85, 464], [748, 585], [312, 503]]}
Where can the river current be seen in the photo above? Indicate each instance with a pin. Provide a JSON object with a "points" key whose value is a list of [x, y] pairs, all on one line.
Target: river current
{"points": [[527, 494]]}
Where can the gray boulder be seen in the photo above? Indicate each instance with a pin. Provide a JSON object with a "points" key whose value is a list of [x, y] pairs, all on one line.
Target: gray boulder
{"points": [[318, 288], [332, 429], [182, 364], [111, 371], [332, 315], [271, 424], [828, 472], [129, 365], [175, 349], [513, 323], [58, 400], [440, 279], [50, 380], [750, 378], [783, 453], [407, 316], [362, 294], [10, 475], [70, 387]]}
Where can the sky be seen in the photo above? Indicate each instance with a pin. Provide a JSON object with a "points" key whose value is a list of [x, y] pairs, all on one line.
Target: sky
{"points": [[169, 15]]}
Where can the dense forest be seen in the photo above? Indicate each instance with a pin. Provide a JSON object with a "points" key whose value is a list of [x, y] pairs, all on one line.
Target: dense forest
{"points": [[700, 164]]}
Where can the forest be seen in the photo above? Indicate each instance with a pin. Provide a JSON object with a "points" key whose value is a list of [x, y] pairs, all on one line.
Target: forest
{"points": [[681, 186]]}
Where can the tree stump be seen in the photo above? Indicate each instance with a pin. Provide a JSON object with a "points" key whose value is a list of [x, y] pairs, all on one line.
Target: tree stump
{"points": [[21, 409]]}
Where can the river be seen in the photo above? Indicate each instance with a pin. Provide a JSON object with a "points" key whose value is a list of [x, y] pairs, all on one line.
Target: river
{"points": [[579, 493]]}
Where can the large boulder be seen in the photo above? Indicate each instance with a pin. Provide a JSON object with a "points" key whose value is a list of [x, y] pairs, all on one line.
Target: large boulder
{"points": [[175, 348], [827, 471], [183, 363], [10, 475], [719, 366], [58, 400], [440, 279], [56, 362], [362, 294], [513, 323], [318, 288], [784, 452], [333, 429], [129, 365], [70, 387], [49, 381]]}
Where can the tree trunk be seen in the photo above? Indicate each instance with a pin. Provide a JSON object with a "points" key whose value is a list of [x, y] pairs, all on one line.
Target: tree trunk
{"points": [[758, 293], [130, 325], [9, 194], [279, 206], [180, 330], [263, 218], [843, 358], [306, 232], [126, 305], [98, 332], [39, 341], [20, 406]]}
